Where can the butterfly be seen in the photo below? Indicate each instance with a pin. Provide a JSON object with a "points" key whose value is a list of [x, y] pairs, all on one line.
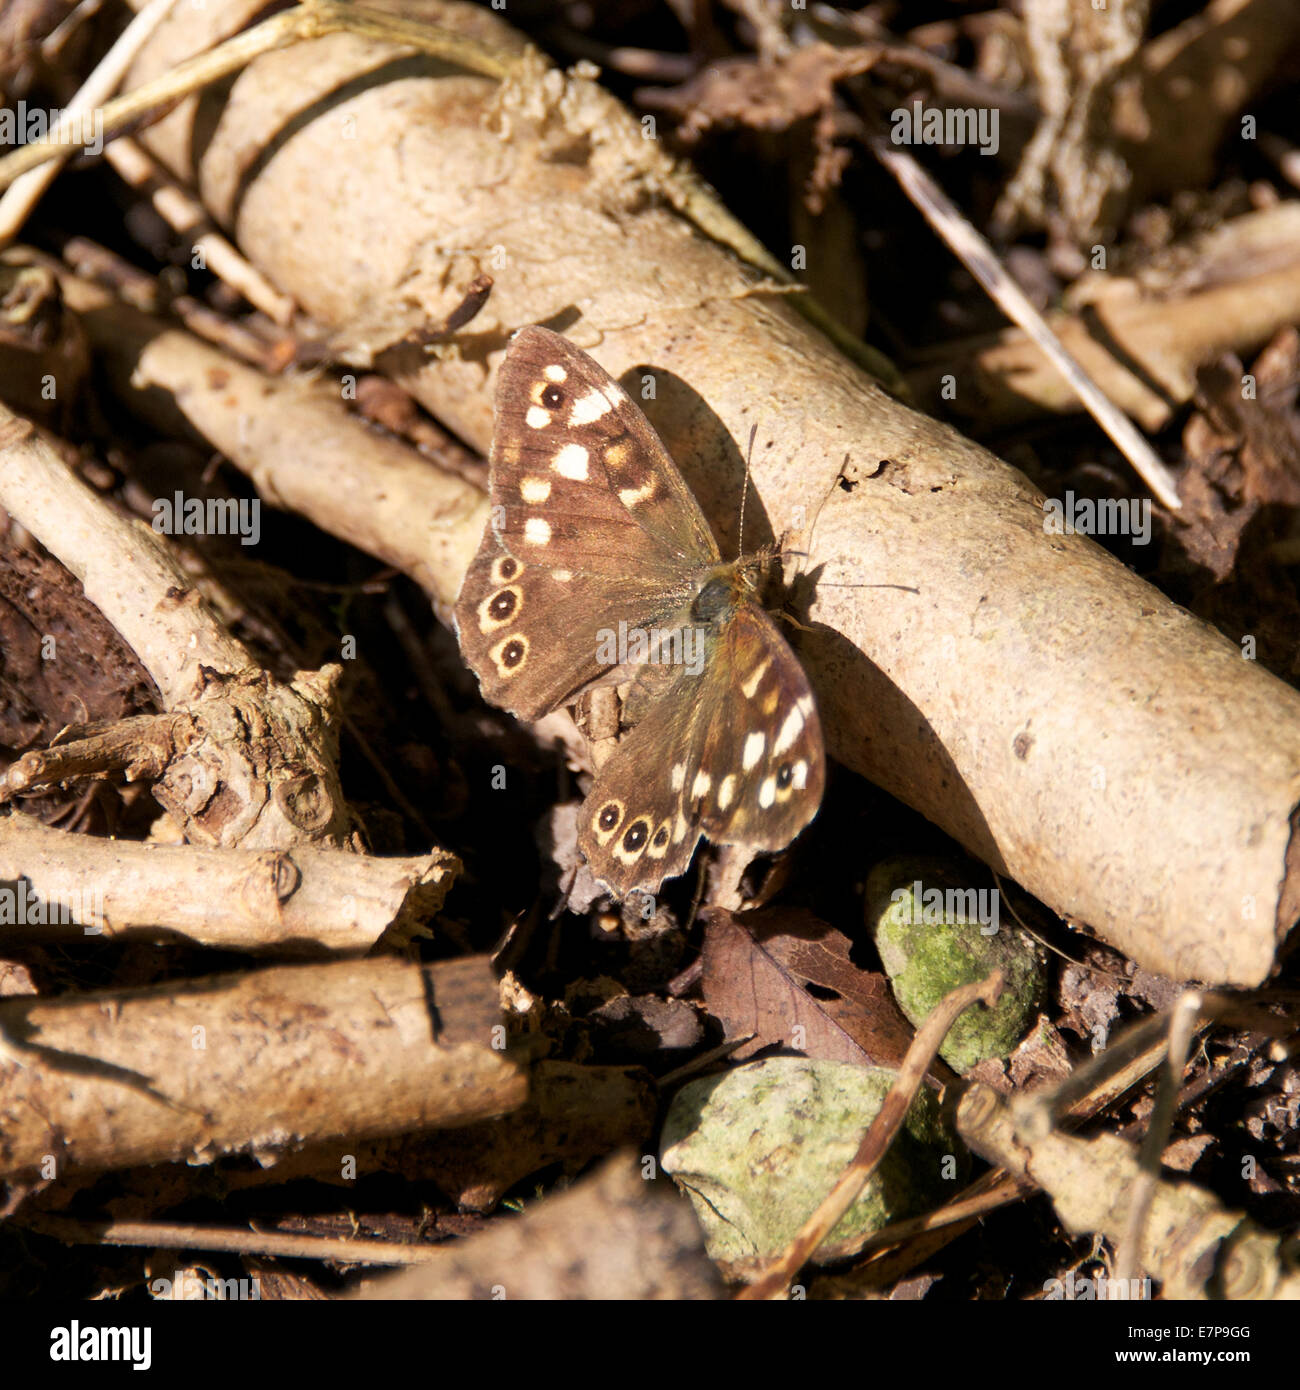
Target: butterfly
{"points": [[597, 567]]}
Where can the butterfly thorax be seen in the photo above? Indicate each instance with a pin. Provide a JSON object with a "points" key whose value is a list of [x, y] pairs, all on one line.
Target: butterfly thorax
{"points": [[726, 586]]}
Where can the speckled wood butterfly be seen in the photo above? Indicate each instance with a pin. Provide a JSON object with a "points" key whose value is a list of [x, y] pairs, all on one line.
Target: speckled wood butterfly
{"points": [[598, 567]]}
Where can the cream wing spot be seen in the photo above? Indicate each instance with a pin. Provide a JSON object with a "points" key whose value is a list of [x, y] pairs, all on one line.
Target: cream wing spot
{"points": [[700, 786], [589, 408], [554, 372], [537, 531], [749, 687], [754, 744], [535, 491], [767, 792], [536, 418], [634, 496], [680, 827], [726, 791], [571, 462], [678, 776], [562, 576], [790, 731]]}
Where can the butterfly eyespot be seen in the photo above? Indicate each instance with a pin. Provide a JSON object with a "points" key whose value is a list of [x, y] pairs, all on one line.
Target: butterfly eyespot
{"points": [[606, 821], [552, 397], [499, 609], [505, 569], [633, 842], [658, 845], [509, 655], [784, 776]]}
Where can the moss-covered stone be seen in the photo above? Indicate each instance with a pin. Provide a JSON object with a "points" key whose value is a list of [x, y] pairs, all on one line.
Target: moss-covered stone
{"points": [[759, 1147], [934, 933]]}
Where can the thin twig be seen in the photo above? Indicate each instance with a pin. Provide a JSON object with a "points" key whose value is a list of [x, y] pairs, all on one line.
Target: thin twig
{"points": [[1182, 1027], [22, 196], [168, 1236], [981, 260], [187, 217]]}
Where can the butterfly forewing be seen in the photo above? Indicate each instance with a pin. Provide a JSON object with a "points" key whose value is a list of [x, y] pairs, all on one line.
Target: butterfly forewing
{"points": [[591, 525], [579, 473]]}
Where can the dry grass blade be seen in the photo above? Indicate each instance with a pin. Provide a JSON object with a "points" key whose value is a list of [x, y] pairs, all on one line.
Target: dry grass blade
{"points": [[979, 258], [22, 196]]}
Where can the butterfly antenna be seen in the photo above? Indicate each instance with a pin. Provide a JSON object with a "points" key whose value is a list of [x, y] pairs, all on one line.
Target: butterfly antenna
{"points": [[744, 489]]}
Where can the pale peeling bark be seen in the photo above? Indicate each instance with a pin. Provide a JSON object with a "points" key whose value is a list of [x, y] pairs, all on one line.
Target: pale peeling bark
{"points": [[1037, 700]]}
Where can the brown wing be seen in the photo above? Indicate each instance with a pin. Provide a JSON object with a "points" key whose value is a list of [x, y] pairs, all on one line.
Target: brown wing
{"points": [[578, 471], [735, 753], [591, 524]]}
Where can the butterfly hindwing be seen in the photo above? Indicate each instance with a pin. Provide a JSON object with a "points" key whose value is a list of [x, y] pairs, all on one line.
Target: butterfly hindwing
{"points": [[734, 753]]}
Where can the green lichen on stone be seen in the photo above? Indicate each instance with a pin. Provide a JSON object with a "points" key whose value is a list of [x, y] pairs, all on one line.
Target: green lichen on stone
{"points": [[935, 933], [759, 1147]]}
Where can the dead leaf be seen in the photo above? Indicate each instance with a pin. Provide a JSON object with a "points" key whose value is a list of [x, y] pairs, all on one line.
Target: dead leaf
{"points": [[758, 970], [763, 96], [1241, 451]]}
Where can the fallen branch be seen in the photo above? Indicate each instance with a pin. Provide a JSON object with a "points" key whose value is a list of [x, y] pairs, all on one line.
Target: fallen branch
{"points": [[255, 1063], [1038, 701], [300, 899]]}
